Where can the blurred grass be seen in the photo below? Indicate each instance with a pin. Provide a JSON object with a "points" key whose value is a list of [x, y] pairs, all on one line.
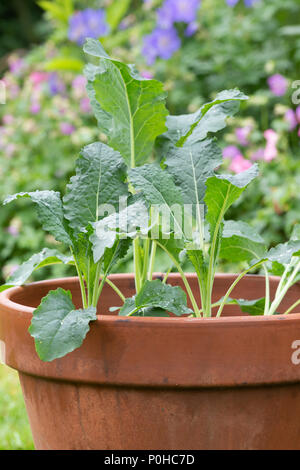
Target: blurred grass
{"points": [[15, 432]]}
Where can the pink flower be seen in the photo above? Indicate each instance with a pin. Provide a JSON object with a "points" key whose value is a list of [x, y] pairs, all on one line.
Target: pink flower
{"points": [[146, 74], [35, 107], [271, 151], [278, 84], [298, 114], [85, 105], [242, 134], [230, 152], [78, 85], [291, 119], [66, 128], [38, 77], [10, 150], [239, 164], [16, 65], [7, 119]]}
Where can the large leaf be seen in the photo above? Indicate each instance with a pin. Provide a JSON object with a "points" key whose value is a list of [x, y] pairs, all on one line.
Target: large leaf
{"points": [[50, 212], [130, 109], [240, 242], [209, 118], [57, 327], [155, 294], [161, 193], [45, 258], [99, 180]]}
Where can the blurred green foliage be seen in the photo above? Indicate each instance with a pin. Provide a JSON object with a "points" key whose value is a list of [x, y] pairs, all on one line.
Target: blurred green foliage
{"points": [[15, 432]]}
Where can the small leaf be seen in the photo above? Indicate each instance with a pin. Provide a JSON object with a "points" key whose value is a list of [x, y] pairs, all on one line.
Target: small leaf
{"points": [[252, 307], [50, 212], [45, 258], [155, 294], [130, 109], [222, 191], [284, 252], [57, 327], [240, 242], [210, 118]]}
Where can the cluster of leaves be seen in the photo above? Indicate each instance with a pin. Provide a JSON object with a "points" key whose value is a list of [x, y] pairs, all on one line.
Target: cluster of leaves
{"points": [[131, 113]]}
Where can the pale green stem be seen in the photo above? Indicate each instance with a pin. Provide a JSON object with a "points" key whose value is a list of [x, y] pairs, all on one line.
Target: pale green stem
{"points": [[152, 261], [137, 265], [167, 275], [267, 301], [115, 288], [184, 279], [233, 286], [96, 284], [278, 298], [146, 259], [81, 281], [292, 307]]}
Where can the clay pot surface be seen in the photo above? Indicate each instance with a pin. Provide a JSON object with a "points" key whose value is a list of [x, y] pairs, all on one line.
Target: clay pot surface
{"points": [[161, 383]]}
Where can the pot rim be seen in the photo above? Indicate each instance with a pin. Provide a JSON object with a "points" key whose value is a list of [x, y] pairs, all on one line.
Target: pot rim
{"points": [[5, 301]]}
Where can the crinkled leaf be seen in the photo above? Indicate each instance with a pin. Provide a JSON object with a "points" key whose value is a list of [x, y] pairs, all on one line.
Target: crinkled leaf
{"points": [[57, 327], [240, 242], [158, 189], [50, 212], [284, 252], [209, 118], [130, 109], [131, 222], [222, 191], [99, 180], [190, 167], [45, 258], [155, 294]]}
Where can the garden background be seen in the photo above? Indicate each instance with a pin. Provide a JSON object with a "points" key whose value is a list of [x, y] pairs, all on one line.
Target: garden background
{"points": [[197, 48]]}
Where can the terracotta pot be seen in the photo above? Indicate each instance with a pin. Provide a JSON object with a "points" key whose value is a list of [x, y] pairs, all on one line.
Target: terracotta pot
{"points": [[161, 383]]}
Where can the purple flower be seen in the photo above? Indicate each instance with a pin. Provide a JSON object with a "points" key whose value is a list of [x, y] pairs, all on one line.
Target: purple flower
{"points": [[191, 29], [161, 43], [66, 128], [16, 65], [298, 114], [230, 152], [277, 84], [87, 23], [248, 3], [291, 119], [56, 85], [173, 11], [242, 134], [78, 85]]}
